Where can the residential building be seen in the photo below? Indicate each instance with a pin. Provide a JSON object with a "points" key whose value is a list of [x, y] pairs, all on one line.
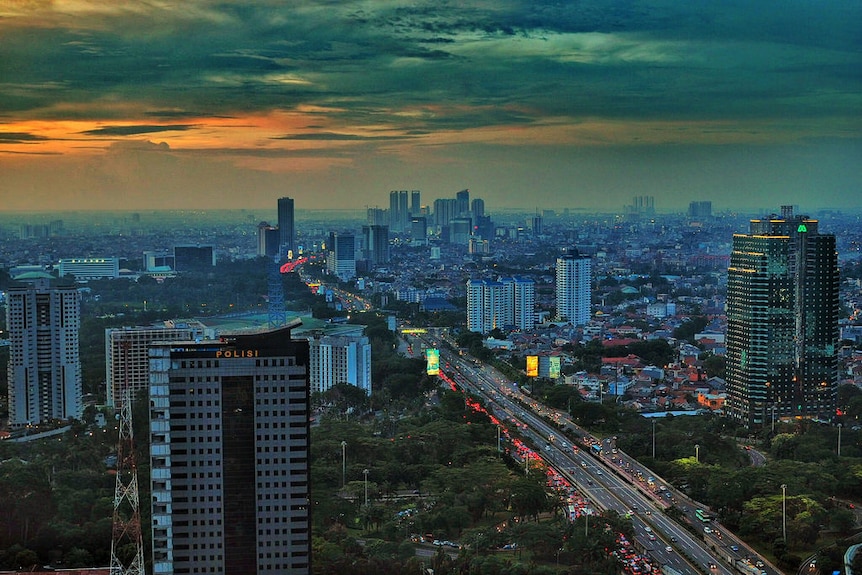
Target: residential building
{"points": [[782, 321], [44, 368], [229, 455], [505, 304], [339, 359], [127, 363], [574, 287]]}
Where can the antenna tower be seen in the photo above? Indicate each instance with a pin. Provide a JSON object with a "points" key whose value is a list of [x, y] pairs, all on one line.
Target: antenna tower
{"points": [[277, 315], [126, 531]]}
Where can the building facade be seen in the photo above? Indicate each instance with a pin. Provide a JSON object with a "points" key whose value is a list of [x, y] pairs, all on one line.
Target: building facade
{"points": [[341, 255], [229, 452], [505, 304], [574, 288], [44, 368], [127, 363], [286, 226], [339, 359], [782, 321], [90, 268]]}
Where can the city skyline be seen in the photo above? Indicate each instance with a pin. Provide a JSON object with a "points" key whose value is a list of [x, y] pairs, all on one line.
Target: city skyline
{"points": [[129, 105]]}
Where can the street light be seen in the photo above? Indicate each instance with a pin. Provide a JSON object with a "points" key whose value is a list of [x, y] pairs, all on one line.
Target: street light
{"points": [[697, 452], [653, 438], [784, 512], [366, 472], [343, 464]]}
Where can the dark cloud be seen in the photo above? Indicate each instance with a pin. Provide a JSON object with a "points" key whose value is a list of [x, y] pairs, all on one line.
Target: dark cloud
{"points": [[332, 136], [135, 130], [19, 138]]}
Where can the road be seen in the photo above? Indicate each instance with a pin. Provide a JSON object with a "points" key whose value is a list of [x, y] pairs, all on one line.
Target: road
{"points": [[611, 480]]}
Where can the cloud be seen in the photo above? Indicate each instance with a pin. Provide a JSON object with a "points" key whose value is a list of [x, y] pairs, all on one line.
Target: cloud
{"points": [[136, 130], [19, 137]]}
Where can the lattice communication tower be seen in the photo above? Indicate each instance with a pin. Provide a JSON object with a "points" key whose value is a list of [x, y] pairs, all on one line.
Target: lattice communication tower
{"points": [[126, 539]]}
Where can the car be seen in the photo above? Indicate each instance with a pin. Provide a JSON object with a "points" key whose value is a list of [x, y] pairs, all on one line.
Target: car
{"points": [[707, 530], [668, 548], [713, 566], [734, 547], [651, 537], [673, 538]]}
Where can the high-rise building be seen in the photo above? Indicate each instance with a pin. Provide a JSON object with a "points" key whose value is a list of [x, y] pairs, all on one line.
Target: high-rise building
{"points": [[419, 231], [503, 304], [415, 203], [339, 359], [286, 226], [127, 363], [782, 321], [193, 258], [376, 244], [44, 368], [700, 209], [444, 211], [399, 211], [460, 229], [462, 204], [477, 209], [573, 286], [268, 240], [377, 217], [229, 453], [341, 255]]}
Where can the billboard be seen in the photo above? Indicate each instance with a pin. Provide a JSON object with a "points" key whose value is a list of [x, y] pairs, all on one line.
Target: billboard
{"points": [[554, 367], [432, 360], [532, 366]]}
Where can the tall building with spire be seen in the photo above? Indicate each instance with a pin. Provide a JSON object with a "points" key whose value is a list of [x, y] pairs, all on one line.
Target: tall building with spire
{"points": [[782, 321], [44, 368]]}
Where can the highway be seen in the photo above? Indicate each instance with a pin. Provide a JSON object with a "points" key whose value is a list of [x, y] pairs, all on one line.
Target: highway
{"points": [[611, 480]]}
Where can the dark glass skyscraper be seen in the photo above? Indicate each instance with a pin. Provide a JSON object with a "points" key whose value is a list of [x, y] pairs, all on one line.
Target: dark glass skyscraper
{"points": [[286, 229], [229, 449], [782, 321]]}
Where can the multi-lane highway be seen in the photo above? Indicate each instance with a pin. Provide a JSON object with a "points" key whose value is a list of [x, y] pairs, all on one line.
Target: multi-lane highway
{"points": [[610, 479]]}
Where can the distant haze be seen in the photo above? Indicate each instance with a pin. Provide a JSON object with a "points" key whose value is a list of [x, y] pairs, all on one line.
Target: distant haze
{"points": [[125, 105]]}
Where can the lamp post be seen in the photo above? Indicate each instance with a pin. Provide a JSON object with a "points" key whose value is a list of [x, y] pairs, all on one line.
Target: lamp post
{"points": [[653, 438], [697, 452], [839, 440], [343, 464], [366, 472], [784, 512]]}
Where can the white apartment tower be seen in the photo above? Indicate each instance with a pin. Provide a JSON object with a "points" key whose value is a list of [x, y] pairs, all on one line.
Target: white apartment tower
{"points": [[339, 359], [509, 302], [573, 285], [127, 363], [229, 453], [44, 367]]}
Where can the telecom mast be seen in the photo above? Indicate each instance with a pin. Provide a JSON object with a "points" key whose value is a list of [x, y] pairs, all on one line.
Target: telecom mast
{"points": [[127, 510]]}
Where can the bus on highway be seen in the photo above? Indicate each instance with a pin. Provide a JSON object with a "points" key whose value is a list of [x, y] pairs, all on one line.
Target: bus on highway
{"points": [[702, 515], [596, 449]]}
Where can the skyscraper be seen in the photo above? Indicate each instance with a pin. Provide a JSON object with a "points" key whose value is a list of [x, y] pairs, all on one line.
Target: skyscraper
{"points": [[399, 211], [44, 368], [286, 229], [415, 203], [462, 204], [229, 451], [782, 320], [268, 240], [573, 286]]}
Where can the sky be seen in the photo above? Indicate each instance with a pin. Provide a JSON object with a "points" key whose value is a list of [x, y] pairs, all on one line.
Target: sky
{"points": [[535, 104]]}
